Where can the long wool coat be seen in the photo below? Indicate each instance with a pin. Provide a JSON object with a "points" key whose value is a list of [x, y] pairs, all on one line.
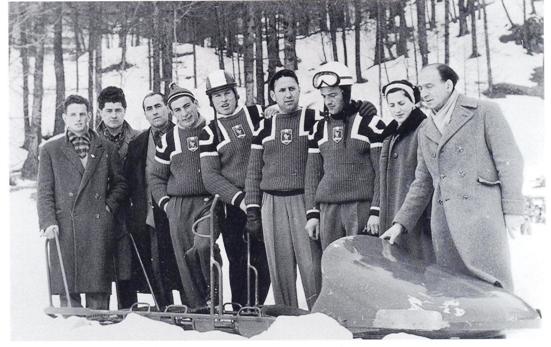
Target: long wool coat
{"points": [[475, 168], [74, 198], [397, 172]]}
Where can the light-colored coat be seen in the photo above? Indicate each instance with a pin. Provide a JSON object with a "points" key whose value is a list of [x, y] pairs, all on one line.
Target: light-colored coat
{"points": [[475, 168], [74, 198]]}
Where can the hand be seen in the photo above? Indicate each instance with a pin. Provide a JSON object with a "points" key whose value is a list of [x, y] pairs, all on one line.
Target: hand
{"points": [[51, 232], [254, 223], [392, 233], [271, 111], [312, 227], [372, 226], [515, 224]]}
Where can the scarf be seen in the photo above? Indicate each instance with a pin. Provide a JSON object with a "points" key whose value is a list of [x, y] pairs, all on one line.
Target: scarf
{"points": [[81, 144], [444, 116]]}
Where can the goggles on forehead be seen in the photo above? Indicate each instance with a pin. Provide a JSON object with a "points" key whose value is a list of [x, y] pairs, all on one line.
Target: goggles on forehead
{"points": [[325, 79]]}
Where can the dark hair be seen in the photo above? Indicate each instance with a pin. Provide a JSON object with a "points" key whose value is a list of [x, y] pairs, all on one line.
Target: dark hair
{"points": [[76, 99], [111, 94], [280, 74], [446, 73], [393, 87], [346, 94], [150, 94]]}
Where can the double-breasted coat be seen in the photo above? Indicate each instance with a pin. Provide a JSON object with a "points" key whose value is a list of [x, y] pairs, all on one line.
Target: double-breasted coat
{"points": [[75, 198], [475, 168]]}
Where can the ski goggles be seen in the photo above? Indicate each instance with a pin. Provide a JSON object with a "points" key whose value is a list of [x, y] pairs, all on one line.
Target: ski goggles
{"points": [[325, 79]]}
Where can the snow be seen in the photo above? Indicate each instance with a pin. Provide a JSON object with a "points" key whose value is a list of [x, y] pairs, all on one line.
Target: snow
{"points": [[28, 291]]}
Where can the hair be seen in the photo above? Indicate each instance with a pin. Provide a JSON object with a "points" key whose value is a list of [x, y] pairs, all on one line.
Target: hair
{"points": [[150, 94], [394, 87], [111, 94], [446, 73], [280, 74], [76, 99], [346, 94]]}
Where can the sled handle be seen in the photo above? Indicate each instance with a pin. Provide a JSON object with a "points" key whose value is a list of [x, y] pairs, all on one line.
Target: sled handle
{"points": [[214, 263], [63, 274], [250, 268], [47, 251], [196, 223], [170, 307], [137, 304], [144, 272]]}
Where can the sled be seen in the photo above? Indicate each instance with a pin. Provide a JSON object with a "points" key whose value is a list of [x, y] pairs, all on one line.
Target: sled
{"points": [[374, 288]]}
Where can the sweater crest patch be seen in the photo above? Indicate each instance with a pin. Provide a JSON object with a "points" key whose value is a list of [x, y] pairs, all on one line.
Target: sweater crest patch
{"points": [[286, 136], [192, 143], [239, 131], [338, 134]]}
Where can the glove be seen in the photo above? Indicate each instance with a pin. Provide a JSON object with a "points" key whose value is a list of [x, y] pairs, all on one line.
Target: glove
{"points": [[254, 223]]}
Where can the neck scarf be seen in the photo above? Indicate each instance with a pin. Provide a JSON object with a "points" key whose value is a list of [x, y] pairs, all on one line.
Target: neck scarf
{"points": [[81, 144], [443, 116]]}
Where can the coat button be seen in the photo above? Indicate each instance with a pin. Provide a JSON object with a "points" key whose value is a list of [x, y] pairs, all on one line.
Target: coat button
{"points": [[466, 197], [442, 176], [440, 202], [460, 149], [71, 194], [434, 155], [395, 155], [97, 215], [461, 173]]}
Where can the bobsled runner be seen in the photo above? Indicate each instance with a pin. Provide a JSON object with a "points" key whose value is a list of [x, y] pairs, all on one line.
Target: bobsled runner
{"points": [[369, 286], [374, 288]]}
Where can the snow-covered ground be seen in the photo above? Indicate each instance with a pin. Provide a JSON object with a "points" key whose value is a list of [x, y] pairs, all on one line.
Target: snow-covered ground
{"points": [[525, 114]]}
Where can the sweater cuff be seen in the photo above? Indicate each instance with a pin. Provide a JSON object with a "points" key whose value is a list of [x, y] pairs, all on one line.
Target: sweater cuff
{"points": [[374, 211], [313, 213], [253, 208], [250, 206], [237, 198], [163, 201]]}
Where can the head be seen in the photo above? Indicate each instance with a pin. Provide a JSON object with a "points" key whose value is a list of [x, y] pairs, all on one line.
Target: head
{"points": [[401, 97], [76, 114], [284, 89], [155, 109], [112, 107], [334, 81], [436, 84], [220, 88], [183, 105]]}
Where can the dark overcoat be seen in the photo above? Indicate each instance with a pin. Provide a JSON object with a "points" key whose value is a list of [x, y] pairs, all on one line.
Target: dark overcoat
{"points": [[74, 198], [475, 168], [156, 246], [397, 172]]}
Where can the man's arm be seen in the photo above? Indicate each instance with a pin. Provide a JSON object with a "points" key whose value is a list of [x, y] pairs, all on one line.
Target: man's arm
{"points": [[117, 184], [314, 171], [160, 171], [46, 191], [254, 170]]}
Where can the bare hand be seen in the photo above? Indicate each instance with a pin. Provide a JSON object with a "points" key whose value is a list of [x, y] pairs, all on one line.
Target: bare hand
{"points": [[392, 233], [312, 227], [515, 224], [271, 111], [372, 226], [51, 232]]}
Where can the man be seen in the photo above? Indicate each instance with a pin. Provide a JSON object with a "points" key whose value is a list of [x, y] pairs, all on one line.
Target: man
{"points": [[177, 186], [467, 152], [275, 186], [113, 128], [80, 188], [225, 144], [145, 220], [342, 170]]}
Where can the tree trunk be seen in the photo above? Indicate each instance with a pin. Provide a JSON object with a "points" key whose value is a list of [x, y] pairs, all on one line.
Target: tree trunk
{"points": [[422, 30], [432, 14], [157, 35], [149, 63], [487, 43], [24, 53], [474, 42], [289, 40], [385, 23], [91, 45], [357, 33], [379, 46], [30, 166], [271, 39], [507, 13], [194, 25], [219, 38], [248, 58], [463, 28], [344, 48], [59, 124], [259, 57], [447, 31], [122, 43], [99, 62], [533, 7], [77, 44], [323, 15], [402, 45], [333, 15], [167, 44]]}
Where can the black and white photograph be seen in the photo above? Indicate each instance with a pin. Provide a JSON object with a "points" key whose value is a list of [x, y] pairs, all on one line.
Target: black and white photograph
{"points": [[276, 170]]}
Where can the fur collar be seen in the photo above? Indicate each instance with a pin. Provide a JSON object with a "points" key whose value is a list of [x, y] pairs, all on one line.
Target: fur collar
{"points": [[409, 125]]}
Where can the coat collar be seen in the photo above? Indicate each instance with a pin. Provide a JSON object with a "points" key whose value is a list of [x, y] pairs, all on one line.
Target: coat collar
{"points": [[408, 126]]}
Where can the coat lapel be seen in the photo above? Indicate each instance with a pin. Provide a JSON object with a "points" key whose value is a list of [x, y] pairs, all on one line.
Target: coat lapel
{"points": [[431, 131], [462, 113], [94, 156], [69, 151]]}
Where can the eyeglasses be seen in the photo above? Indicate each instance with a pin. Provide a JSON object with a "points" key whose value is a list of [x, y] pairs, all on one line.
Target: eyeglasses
{"points": [[325, 79]]}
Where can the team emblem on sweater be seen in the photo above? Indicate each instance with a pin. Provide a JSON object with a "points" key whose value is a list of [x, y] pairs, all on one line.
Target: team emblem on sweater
{"points": [[238, 131], [338, 134], [286, 136], [192, 143]]}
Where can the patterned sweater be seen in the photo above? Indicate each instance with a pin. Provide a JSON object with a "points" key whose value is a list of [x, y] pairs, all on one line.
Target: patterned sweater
{"points": [[225, 149], [177, 170], [343, 158], [278, 155]]}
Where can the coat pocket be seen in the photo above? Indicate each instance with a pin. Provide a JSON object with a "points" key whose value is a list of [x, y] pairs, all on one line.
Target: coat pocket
{"points": [[486, 182]]}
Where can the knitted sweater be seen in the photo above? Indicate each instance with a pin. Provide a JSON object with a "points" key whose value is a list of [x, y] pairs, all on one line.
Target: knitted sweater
{"points": [[177, 170], [278, 155], [343, 158], [225, 149]]}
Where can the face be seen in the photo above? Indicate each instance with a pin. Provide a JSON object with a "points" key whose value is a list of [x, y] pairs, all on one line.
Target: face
{"points": [[76, 118], [224, 101], [155, 111], [333, 99], [185, 111], [400, 106], [113, 114], [434, 91], [286, 93]]}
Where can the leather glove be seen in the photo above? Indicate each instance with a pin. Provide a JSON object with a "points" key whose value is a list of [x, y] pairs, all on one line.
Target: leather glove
{"points": [[254, 223]]}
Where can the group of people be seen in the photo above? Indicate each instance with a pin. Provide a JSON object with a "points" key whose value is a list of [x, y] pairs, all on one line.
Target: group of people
{"points": [[444, 186]]}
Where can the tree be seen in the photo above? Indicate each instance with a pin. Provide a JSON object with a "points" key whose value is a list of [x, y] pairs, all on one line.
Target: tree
{"points": [[98, 57], [167, 39], [463, 12], [333, 24], [30, 166], [357, 33], [507, 14], [24, 53], [422, 32], [379, 36], [76, 31], [432, 14], [472, 11], [157, 20], [248, 56], [271, 40], [259, 57], [219, 37], [289, 40], [59, 124], [446, 31], [344, 12], [487, 43], [91, 44], [402, 45]]}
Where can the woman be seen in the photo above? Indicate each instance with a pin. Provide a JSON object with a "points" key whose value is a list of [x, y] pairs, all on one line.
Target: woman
{"points": [[397, 169]]}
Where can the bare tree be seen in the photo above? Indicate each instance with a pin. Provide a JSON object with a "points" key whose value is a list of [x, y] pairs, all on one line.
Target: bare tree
{"points": [[289, 40], [259, 57], [24, 53], [333, 24], [271, 39], [76, 31], [463, 12], [487, 43], [432, 14], [446, 31], [59, 124], [474, 43], [167, 40], [343, 14], [248, 58], [219, 37], [91, 45], [99, 54], [422, 32], [402, 45], [357, 34], [157, 20]]}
